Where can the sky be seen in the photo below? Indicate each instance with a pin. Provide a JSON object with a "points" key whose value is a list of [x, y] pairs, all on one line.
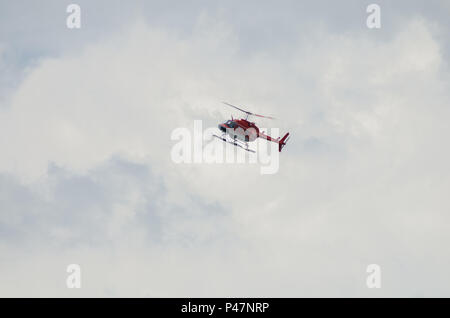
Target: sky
{"points": [[86, 175]]}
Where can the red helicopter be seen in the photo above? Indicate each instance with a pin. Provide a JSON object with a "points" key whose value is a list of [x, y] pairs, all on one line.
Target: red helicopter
{"points": [[243, 131]]}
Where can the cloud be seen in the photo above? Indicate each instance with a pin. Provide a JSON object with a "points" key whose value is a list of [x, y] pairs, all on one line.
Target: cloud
{"points": [[86, 175]]}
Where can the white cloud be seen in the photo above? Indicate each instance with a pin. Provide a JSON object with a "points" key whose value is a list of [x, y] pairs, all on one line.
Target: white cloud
{"points": [[363, 179]]}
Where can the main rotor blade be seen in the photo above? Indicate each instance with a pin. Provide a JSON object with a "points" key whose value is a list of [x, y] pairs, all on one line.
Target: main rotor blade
{"points": [[263, 116], [238, 108], [247, 112]]}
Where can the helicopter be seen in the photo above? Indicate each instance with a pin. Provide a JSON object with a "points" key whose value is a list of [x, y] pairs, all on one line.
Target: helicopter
{"points": [[242, 131]]}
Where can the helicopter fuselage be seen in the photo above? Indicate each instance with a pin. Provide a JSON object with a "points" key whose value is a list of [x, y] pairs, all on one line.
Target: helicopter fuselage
{"points": [[244, 130], [240, 129]]}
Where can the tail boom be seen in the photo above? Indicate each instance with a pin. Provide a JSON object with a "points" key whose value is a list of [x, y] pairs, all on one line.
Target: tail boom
{"points": [[281, 142]]}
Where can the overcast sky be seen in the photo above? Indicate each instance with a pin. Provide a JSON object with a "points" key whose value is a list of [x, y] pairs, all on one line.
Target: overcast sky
{"points": [[86, 175]]}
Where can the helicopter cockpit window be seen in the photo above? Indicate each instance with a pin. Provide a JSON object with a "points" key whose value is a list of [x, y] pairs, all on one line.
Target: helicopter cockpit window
{"points": [[231, 124]]}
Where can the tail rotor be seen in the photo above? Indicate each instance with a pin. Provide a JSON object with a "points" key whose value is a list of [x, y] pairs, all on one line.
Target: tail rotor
{"points": [[282, 142]]}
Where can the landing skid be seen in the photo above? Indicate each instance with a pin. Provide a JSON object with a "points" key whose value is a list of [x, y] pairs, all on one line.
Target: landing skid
{"points": [[235, 143]]}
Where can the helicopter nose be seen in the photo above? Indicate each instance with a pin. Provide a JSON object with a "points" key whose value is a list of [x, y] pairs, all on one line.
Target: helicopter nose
{"points": [[222, 127]]}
